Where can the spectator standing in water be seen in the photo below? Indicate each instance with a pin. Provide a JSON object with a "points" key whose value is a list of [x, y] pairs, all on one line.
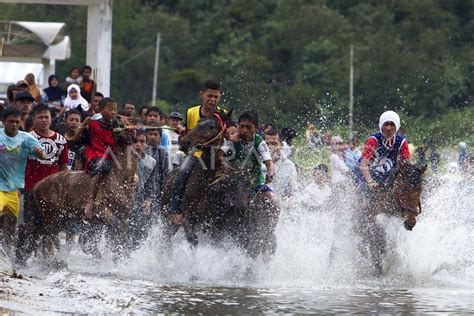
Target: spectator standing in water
{"points": [[462, 153], [141, 217], [15, 147], [285, 180], [176, 155], [55, 148]]}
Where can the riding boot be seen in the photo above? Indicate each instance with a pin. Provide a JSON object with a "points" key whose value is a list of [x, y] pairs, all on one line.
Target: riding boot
{"points": [[177, 187]]}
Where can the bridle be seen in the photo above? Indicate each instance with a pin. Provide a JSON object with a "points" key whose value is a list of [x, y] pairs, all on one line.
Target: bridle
{"points": [[405, 207], [218, 135]]}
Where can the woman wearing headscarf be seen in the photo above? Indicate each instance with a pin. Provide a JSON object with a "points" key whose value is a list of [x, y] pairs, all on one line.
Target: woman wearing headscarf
{"points": [[54, 93], [32, 87], [74, 100]]}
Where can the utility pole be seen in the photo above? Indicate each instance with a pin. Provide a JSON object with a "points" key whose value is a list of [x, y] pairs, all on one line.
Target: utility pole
{"points": [[155, 74], [351, 95]]}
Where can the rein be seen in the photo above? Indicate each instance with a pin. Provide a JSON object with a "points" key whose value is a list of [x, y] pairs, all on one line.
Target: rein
{"points": [[218, 135]]}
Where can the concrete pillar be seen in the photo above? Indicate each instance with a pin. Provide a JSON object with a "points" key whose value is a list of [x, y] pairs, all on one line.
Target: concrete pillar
{"points": [[99, 42], [99, 35], [49, 69]]}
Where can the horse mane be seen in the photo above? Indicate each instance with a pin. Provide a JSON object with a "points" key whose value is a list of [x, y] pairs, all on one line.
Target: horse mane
{"points": [[226, 116], [413, 174]]}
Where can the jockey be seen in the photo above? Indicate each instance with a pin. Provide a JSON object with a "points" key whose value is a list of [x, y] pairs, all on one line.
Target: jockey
{"points": [[249, 151], [210, 96], [99, 150], [382, 150]]}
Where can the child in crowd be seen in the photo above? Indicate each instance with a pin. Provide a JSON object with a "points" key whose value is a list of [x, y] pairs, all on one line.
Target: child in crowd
{"points": [[176, 155], [100, 148], [74, 76], [340, 171], [153, 118], [318, 191], [162, 167], [140, 217], [88, 85], [250, 151], [232, 132], [74, 100], [72, 121]]}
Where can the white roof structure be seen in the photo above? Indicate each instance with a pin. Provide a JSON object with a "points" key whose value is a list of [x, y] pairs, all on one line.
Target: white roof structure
{"points": [[33, 41], [99, 35], [31, 47]]}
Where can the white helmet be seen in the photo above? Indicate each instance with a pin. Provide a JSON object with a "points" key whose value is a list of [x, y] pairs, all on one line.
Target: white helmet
{"points": [[389, 116]]}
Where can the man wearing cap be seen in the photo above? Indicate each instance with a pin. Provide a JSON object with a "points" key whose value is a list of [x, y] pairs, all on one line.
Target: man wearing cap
{"points": [[382, 150], [23, 102], [22, 85], [176, 155]]}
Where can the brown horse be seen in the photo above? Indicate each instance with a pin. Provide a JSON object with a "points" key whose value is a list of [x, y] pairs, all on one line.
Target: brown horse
{"points": [[399, 197], [59, 202], [216, 197]]}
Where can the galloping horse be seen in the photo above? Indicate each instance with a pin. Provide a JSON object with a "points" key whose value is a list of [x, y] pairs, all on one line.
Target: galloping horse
{"points": [[60, 198], [399, 197], [216, 197]]}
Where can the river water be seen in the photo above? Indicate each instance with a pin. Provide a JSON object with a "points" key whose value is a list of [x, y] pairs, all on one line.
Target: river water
{"points": [[317, 269]]}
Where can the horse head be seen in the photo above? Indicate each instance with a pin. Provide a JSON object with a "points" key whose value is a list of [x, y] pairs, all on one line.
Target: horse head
{"points": [[122, 135], [408, 184], [209, 131]]}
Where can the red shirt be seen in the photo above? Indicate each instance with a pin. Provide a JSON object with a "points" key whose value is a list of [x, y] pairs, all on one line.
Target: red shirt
{"points": [[371, 145], [101, 139], [56, 150]]}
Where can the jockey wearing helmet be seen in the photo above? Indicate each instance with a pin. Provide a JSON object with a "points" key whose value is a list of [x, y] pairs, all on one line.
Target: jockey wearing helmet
{"points": [[382, 150]]}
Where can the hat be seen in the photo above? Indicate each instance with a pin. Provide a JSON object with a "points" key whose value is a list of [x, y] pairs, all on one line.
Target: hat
{"points": [[22, 83], [24, 95], [389, 116], [176, 115]]}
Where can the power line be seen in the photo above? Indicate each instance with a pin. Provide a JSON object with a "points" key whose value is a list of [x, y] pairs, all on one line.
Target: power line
{"points": [[134, 57]]}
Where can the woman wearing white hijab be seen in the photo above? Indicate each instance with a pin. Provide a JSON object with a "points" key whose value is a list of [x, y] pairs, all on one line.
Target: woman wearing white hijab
{"points": [[74, 99]]}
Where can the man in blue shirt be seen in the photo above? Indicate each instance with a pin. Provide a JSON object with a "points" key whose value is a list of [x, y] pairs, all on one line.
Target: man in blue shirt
{"points": [[352, 154], [15, 146]]}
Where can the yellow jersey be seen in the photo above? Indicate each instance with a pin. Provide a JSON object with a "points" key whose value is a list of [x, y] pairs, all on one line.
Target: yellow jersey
{"points": [[193, 115]]}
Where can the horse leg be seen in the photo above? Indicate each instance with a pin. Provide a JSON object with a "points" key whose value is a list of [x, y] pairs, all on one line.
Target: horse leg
{"points": [[377, 244], [189, 233], [89, 238], [372, 234], [28, 237], [270, 244], [116, 234]]}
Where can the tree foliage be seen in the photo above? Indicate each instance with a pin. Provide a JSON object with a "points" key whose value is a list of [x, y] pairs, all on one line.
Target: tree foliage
{"points": [[287, 59]]}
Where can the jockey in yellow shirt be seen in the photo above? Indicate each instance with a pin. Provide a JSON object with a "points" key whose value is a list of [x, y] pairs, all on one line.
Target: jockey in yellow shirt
{"points": [[210, 96]]}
